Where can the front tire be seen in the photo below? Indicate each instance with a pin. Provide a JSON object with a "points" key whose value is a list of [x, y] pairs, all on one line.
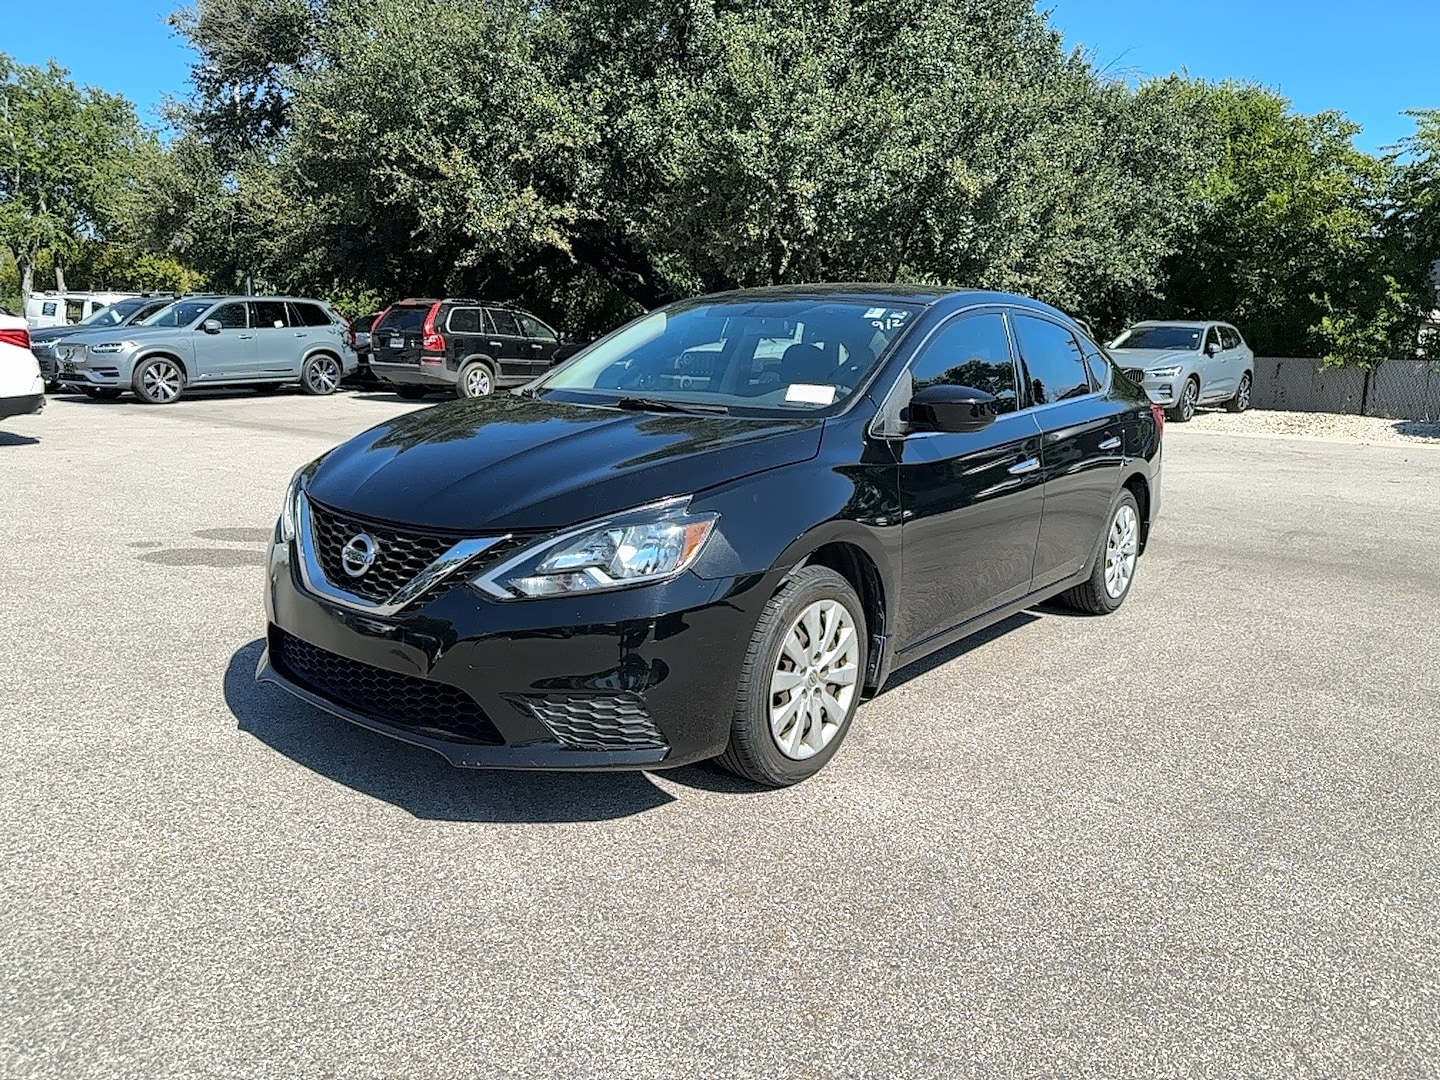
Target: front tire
{"points": [[1115, 564], [1184, 410], [1241, 401], [800, 682], [475, 380], [159, 381], [321, 375]]}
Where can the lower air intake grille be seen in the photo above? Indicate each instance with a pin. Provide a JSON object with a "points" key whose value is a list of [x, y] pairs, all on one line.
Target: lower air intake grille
{"points": [[617, 722], [403, 701]]}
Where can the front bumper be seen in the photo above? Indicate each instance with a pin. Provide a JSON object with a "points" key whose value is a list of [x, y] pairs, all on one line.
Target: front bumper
{"points": [[436, 374], [642, 678]]}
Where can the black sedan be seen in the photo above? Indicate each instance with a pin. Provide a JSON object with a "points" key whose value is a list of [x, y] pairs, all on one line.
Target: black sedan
{"points": [[714, 532]]}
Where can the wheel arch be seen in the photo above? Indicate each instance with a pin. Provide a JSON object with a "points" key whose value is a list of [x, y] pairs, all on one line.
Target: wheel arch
{"points": [[160, 354], [1139, 486]]}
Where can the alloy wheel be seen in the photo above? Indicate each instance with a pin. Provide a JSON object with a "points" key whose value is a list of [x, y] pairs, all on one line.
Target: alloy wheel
{"points": [[814, 682], [161, 381], [477, 381], [323, 375], [1122, 548], [1242, 396], [1188, 398]]}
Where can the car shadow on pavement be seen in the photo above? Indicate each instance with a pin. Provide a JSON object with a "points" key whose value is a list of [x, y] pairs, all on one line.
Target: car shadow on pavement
{"points": [[9, 438], [900, 676], [418, 781]]}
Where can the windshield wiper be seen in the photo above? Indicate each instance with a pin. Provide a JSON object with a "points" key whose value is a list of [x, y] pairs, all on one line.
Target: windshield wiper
{"points": [[645, 404]]}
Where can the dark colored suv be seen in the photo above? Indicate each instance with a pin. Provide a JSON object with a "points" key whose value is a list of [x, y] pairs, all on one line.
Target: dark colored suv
{"points": [[469, 346], [714, 532]]}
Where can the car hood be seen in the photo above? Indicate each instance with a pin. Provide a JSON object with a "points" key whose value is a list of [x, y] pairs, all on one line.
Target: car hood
{"points": [[1150, 357], [514, 463]]}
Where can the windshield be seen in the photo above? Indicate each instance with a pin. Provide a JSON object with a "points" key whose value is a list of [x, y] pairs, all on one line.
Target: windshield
{"points": [[1183, 338], [765, 356], [109, 315], [180, 313]]}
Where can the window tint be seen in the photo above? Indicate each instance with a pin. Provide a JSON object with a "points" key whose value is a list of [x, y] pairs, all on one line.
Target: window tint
{"points": [[309, 315], [230, 316], [467, 320], [269, 315], [534, 327], [1053, 361], [505, 323], [403, 318], [970, 351]]}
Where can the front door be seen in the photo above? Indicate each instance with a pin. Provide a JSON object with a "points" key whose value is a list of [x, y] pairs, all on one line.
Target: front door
{"points": [[971, 502], [509, 346], [229, 351], [1083, 445], [542, 344]]}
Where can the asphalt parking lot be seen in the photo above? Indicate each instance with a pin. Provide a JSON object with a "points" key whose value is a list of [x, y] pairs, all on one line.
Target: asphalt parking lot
{"points": [[1197, 838]]}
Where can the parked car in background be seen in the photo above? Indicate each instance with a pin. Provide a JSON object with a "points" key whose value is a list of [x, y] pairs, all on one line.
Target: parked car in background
{"points": [[1183, 365], [121, 313], [467, 346], [713, 532], [259, 341], [360, 328], [22, 390], [44, 310]]}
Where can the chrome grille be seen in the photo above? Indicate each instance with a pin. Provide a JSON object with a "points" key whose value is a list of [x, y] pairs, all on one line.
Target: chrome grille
{"points": [[1135, 374], [400, 557]]}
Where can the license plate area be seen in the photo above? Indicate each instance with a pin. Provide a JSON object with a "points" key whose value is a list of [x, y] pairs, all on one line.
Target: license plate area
{"points": [[397, 343]]}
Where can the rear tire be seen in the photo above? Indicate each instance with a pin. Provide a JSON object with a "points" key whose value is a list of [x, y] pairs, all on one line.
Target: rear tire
{"points": [[800, 682], [411, 392], [159, 381], [320, 376], [475, 380], [1116, 561], [1241, 401], [1184, 410]]}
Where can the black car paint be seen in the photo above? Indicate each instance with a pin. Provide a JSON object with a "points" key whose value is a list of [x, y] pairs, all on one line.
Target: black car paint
{"points": [[943, 525]]}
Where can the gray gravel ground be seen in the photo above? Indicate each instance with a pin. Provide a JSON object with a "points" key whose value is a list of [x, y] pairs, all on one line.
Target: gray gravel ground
{"points": [[1197, 838]]}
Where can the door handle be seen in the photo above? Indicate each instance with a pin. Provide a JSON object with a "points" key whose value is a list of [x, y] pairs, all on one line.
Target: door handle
{"points": [[247, 337], [1025, 467], [1111, 443], [496, 344], [301, 333], [536, 345]]}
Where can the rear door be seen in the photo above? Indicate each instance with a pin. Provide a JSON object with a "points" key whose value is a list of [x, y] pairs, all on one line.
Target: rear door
{"points": [[312, 326], [275, 338], [972, 501], [397, 337], [510, 346], [543, 342], [228, 352], [1083, 443]]}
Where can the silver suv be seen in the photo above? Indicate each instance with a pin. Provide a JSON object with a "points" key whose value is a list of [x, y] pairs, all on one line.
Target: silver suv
{"points": [[259, 341], [1186, 364]]}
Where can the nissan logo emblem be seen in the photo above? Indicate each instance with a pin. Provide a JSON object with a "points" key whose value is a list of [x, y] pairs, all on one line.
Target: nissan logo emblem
{"points": [[358, 555]]}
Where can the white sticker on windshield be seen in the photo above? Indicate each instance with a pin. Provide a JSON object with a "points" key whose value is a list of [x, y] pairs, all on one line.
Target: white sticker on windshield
{"points": [[811, 394], [874, 313]]}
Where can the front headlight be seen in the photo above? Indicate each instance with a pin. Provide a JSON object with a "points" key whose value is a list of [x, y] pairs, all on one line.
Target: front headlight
{"points": [[1165, 372], [110, 348], [638, 548], [289, 514]]}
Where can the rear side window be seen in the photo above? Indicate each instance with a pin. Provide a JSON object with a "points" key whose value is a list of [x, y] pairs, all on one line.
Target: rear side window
{"points": [[506, 323], [406, 318], [269, 315], [310, 315], [972, 351], [534, 327], [1054, 364], [467, 320], [230, 316]]}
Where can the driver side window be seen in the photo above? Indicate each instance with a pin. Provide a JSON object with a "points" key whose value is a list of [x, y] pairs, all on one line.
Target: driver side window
{"points": [[974, 351]]}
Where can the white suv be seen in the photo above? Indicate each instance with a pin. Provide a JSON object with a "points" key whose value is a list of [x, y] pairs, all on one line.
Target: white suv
{"points": [[22, 390], [1186, 364]]}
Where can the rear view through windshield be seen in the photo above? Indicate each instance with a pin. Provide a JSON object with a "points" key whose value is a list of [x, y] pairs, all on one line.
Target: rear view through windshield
{"points": [[772, 356]]}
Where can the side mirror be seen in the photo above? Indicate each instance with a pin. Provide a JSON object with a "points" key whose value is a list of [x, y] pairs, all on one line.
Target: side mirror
{"points": [[1212, 348], [952, 408], [211, 326]]}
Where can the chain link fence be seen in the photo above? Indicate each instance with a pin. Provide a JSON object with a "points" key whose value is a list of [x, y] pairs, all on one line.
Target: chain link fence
{"points": [[1396, 390]]}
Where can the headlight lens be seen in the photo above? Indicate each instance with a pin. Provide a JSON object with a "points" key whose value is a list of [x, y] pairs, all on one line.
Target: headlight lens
{"points": [[289, 515], [1165, 372], [638, 548], [109, 348]]}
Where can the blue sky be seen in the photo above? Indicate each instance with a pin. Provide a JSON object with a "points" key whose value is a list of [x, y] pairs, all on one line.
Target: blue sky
{"points": [[1370, 60]]}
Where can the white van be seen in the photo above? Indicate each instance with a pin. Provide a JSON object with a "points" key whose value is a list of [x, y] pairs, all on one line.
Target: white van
{"points": [[46, 309]]}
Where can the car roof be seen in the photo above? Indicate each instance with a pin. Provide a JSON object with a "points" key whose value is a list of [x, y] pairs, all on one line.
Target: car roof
{"points": [[1189, 324], [954, 297]]}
